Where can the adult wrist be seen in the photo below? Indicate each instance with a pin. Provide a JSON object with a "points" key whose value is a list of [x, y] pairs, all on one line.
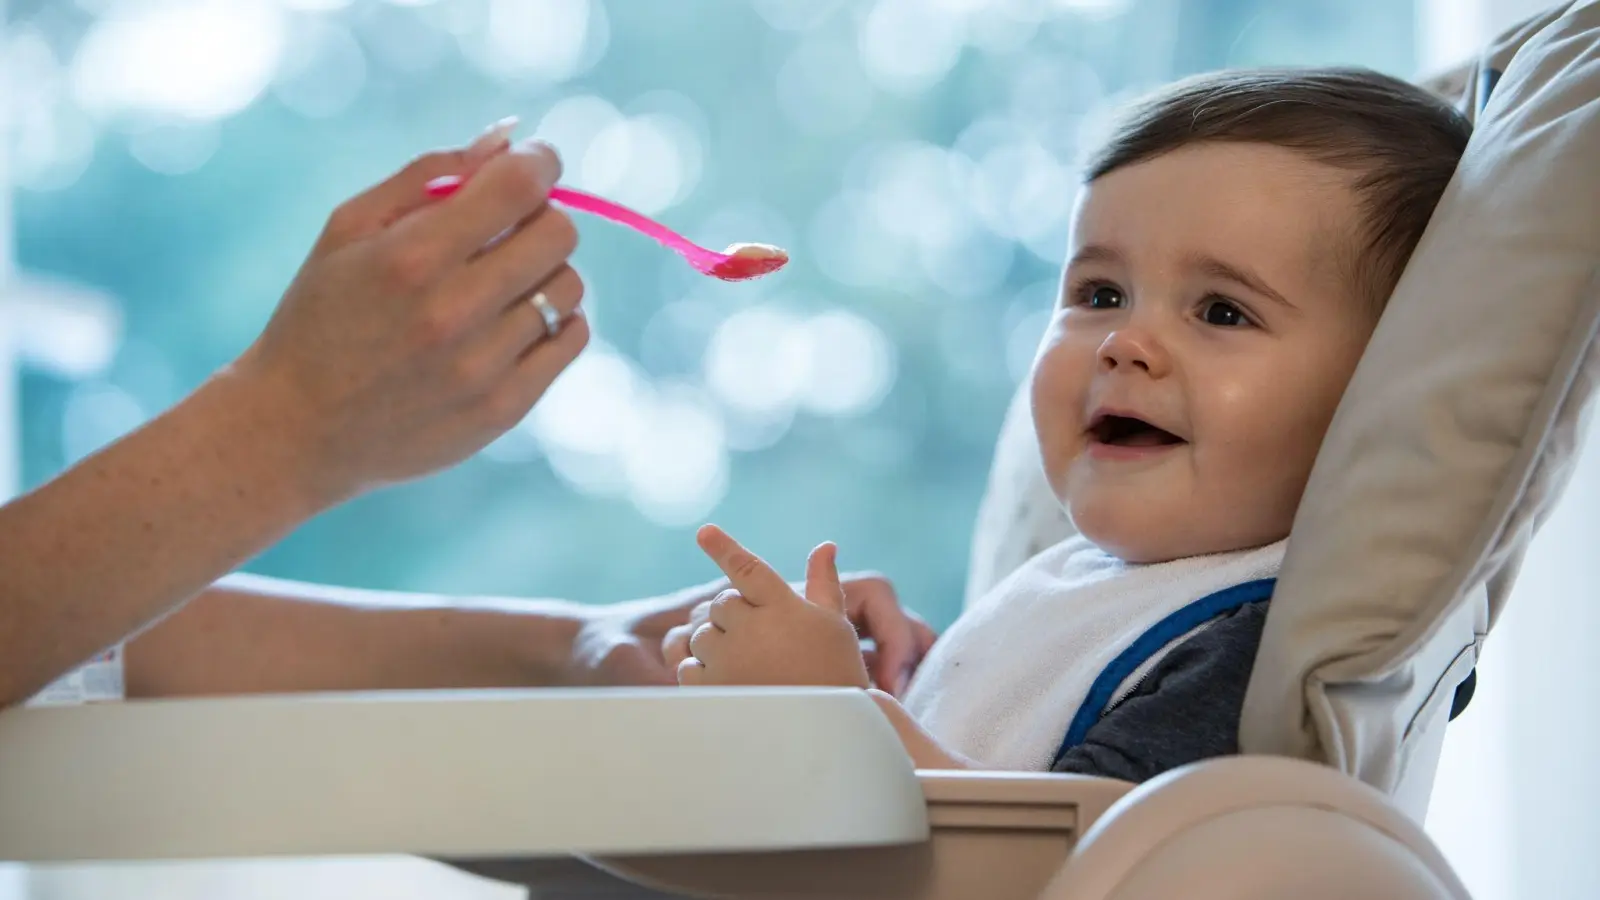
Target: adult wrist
{"points": [[542, 641], [275, 427]]}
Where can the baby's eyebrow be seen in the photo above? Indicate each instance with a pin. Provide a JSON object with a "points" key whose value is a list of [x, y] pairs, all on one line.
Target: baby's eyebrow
{"points": [[1095, 253], [1217, 268]]}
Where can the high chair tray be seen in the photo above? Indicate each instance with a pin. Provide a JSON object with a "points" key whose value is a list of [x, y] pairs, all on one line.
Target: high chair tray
{"points": [[459, 774]]}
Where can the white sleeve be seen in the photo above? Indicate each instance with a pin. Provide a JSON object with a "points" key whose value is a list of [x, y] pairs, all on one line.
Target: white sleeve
{"points": [[97, 681]]}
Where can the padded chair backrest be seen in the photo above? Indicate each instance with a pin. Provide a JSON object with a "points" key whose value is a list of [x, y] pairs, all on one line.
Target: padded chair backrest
{"points": [[1457, 433], [1019, 515]]}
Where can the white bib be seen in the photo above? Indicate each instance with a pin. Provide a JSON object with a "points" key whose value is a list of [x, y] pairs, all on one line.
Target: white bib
{"points": [[1005, 682]]}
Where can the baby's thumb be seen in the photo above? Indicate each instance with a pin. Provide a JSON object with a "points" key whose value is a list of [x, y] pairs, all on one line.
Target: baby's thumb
{"points": [[822, 579]]}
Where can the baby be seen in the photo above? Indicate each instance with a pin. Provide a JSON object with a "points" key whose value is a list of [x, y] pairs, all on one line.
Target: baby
{"points": [[1231, 251]]}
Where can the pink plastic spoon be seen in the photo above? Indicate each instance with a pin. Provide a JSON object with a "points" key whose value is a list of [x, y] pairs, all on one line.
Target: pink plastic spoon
{"points": [[738, 263]]}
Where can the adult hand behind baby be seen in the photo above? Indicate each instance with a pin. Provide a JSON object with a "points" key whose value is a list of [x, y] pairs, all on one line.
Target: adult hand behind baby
{"points": [[763, 632], [900, 638], [407, 342], [623, 643]]}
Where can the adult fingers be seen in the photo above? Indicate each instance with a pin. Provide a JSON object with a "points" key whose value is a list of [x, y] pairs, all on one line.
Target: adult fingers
{"points": [[900, 637], [923, 635], [869, 655], [523, 324], [921, 638], [526, 382], [521, 264], [404, 192], [507, 190], [896, 647], [675, 645], [701, 613]]}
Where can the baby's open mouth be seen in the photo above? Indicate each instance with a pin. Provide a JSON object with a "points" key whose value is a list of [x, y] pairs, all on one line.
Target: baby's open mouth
{"points": [[1126, 431]]}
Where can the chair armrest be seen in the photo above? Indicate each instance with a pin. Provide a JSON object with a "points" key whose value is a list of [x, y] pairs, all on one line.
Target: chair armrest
{"points": [[953, 796], [1273, 826]]}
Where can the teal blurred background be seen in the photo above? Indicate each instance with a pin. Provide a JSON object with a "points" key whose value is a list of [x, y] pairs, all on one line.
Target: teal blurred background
{"points": [[915, 156]]}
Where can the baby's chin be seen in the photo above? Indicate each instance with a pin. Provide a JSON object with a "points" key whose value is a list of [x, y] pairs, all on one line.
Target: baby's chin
{"points": [[1113, 532], [1133, 532], [1145, 539], [1135, 551]]}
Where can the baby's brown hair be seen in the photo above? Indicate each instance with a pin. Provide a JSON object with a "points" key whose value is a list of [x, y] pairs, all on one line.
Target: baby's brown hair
{"points": [[1400, 143]]}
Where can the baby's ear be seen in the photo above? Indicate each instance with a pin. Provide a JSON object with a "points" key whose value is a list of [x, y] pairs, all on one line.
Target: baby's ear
{"points": [[822, 578]]}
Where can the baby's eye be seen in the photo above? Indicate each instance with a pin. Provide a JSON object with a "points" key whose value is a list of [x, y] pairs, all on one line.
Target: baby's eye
{"points": [[1104, 296], [1223, 314]]}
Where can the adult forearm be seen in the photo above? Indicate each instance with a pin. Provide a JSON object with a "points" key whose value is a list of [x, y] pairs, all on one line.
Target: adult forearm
{"points": [[133, 531], [398, 350], [260, 635]]}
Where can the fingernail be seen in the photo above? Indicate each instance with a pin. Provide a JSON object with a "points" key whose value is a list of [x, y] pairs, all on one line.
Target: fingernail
{"points": [[493, 139], [504, 126], [534, 146], [549, 161]]}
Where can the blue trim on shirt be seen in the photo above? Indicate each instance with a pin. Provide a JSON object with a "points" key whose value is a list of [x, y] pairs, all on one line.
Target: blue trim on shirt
{"points": [[1159, 635], [1488, 78]]}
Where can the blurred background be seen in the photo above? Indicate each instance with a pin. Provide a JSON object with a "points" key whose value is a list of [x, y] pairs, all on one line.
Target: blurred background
{"points": [[915, 156], [165, 165]]}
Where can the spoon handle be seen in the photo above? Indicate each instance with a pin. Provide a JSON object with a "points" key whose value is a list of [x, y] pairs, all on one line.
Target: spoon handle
{"points": [[622, 215], [697, 256]]}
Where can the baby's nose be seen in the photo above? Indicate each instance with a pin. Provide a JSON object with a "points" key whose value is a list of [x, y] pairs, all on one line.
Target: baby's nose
{"points": [[1128, 349]]}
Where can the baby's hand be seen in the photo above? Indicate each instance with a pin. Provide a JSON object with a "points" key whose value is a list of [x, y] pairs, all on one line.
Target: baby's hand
{"points": [[762, 632], [901, 638]]}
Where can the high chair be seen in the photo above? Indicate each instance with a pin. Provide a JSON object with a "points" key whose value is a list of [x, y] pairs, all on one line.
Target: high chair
{"points": [[1453, 441]]}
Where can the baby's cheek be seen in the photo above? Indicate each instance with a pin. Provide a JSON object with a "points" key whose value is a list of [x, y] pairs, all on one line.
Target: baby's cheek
{"points": [[1287, 450], [1265, 428], [1057, 398]]}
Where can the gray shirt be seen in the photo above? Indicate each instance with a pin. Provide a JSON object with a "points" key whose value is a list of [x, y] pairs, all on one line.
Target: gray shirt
{"points": [[1186, 710]]}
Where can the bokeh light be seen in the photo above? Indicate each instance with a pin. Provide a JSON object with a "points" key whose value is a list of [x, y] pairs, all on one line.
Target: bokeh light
{"points": [[200, 59], [544, 40], [323, 71], [908, 46]]}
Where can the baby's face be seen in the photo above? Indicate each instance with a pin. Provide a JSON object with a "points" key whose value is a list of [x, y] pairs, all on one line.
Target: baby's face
{"points": [[1206, 331]]}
